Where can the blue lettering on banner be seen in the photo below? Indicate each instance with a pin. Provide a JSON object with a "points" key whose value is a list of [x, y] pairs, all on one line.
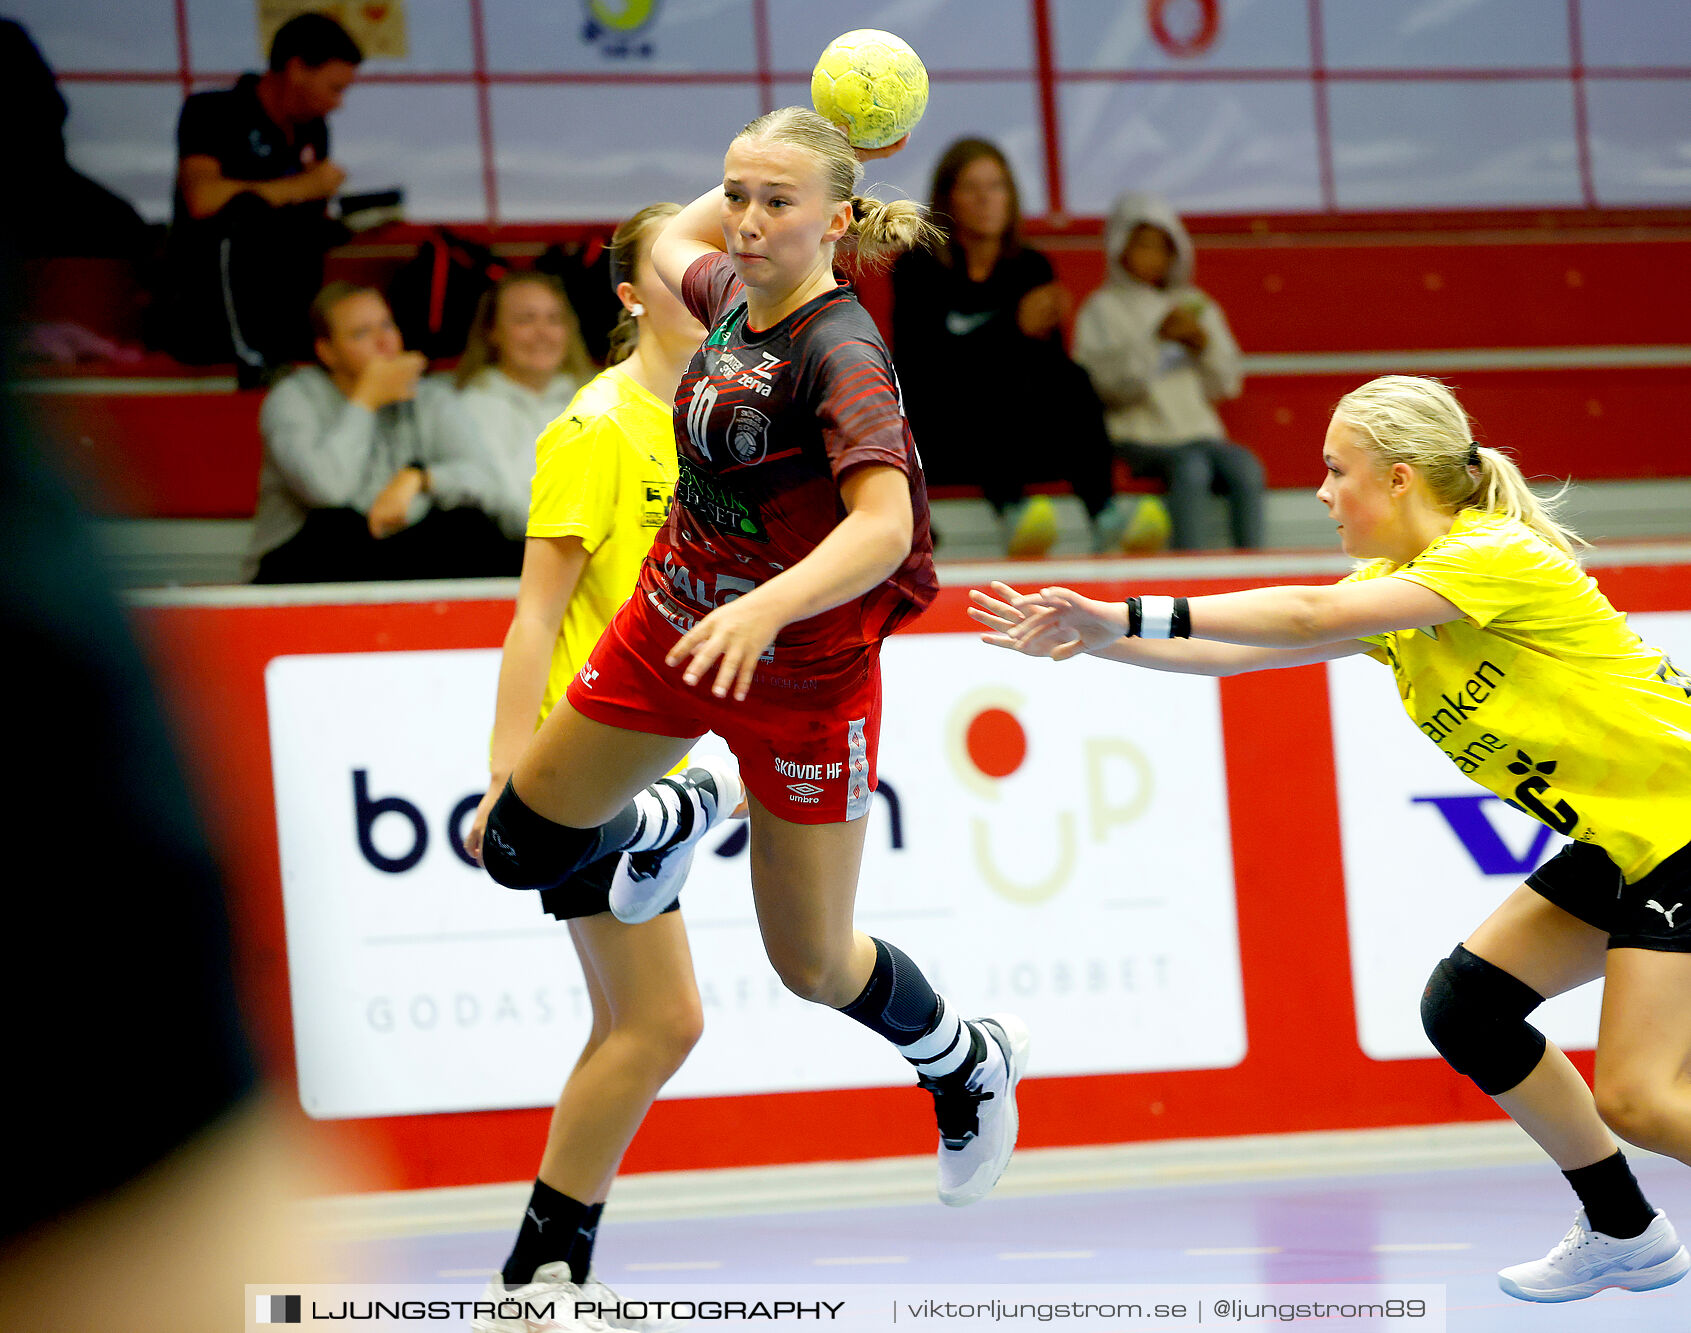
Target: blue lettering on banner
{"points": [[1468, 820]]}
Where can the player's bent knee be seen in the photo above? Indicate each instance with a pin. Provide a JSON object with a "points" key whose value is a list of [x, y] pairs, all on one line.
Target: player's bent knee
{"points": [[523, 850], [1475, 1015], [1628, 1107]]}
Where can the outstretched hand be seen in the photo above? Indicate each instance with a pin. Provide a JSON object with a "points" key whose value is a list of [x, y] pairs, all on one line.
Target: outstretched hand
{"points": [[1053, 622]]}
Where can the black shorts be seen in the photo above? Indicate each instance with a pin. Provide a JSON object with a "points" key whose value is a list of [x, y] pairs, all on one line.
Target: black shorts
{"points": [[587, 892], [1654, 913]]}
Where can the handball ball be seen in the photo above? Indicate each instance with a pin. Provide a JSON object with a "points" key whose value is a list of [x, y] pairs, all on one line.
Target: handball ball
{"points": [[872, 85]]}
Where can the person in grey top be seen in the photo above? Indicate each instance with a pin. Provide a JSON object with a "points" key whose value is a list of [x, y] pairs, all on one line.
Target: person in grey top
{"points": [[370, 471]]}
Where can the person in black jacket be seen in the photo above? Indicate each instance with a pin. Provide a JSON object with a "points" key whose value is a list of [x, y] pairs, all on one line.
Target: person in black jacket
{"points": [[977, 338]]}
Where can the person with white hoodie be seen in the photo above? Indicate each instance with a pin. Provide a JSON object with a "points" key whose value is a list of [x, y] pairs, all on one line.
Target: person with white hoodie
{"points": [[1160, 355], [521, 367]]}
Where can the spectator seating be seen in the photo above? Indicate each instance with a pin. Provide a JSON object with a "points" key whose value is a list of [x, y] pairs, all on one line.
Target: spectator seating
{"points": [[1563, 332]]}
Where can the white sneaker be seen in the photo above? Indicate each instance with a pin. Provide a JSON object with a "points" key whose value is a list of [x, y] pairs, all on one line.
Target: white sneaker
{"points": [[977, 1121], [525, 1308], [647, 882], [1584, 1262], [595, 1290]]}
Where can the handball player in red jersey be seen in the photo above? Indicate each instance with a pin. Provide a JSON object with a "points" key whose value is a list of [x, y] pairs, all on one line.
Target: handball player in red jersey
{"points": [[798, 539]]}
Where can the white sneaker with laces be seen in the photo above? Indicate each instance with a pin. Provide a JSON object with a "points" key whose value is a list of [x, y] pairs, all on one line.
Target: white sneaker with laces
{"points": [[977, 1119], [551, 1289], [647, 882], [595, 1290], [1584, 1262]]}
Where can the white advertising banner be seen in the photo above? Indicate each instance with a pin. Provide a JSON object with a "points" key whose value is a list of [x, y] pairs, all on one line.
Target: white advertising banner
{"points": [[1428, 854], [1049, 839]]}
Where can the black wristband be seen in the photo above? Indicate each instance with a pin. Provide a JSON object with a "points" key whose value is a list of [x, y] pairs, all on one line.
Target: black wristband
{"points": [[1135, 617], [1180, 622]]}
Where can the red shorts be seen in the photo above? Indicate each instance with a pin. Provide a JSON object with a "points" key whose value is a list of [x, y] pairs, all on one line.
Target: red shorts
{"points": [[807, 742]]}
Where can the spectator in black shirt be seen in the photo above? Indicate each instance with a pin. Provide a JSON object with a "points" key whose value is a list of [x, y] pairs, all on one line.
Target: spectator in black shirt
{"points": [[58, 210], [993, 399], [253, 181]]}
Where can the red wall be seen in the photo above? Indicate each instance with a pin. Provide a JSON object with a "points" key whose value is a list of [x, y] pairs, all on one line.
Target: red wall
{"points": [[1304, 1069]]}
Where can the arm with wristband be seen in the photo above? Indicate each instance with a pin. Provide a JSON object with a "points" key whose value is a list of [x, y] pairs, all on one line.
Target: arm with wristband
{"points": [[1216, 635]]}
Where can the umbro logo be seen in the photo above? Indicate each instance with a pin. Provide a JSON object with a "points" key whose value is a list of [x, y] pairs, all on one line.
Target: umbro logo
{"points": [[805, 789]]}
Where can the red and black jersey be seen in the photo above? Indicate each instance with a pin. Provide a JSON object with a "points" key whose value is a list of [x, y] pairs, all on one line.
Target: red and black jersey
{"points": [[766, 425]]}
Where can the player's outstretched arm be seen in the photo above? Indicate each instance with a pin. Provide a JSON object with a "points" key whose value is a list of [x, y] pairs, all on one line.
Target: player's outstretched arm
{"points": [[1002, 615], [1287, 617], [696, 230]]}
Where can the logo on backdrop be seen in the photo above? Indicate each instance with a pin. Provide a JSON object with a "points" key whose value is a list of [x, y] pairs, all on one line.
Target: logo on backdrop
{"points": [[407, 836], [619, 29], [986, 743], [1469, 818]]}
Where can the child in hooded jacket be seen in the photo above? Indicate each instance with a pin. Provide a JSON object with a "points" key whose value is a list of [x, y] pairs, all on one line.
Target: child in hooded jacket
{"points": [[1160, 355]]}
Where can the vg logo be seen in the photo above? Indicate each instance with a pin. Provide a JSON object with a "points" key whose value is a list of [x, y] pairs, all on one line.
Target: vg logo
{"points": [[1469, 817]]}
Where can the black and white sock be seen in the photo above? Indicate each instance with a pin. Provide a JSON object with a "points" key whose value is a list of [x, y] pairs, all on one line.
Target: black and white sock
{"points": [[899, 1004], [548, 1234]]}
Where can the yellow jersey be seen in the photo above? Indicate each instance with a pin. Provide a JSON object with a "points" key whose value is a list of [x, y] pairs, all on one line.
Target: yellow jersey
{"points": [[604, 472], [1542, 694]]}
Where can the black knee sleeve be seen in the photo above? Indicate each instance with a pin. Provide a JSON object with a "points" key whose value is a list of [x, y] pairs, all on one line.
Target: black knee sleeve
{"points": [[897, 1001], [1475, 1014], [523, 850]]}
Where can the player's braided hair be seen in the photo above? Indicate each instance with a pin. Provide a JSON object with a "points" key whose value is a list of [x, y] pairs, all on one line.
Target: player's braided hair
{"points": [[631, 245], [880, 228], [1417, 420]]}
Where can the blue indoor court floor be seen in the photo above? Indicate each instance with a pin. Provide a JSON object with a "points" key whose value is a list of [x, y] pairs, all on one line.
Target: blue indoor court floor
{"points": [[1444, 1206]]}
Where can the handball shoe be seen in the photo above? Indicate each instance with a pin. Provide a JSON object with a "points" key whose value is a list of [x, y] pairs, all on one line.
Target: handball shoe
{"points": [[545, 1305], [647, 882], [977, 1115], [1031, 525], [594, 1290], [1584, 1262]]}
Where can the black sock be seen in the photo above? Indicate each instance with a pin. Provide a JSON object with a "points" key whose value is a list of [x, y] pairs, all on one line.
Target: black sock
{"points": [[581, 1253], [1613, 1202], [547, 1235]]}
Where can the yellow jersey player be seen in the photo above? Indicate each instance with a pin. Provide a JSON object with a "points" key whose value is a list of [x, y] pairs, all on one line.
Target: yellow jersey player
{"points": [[1509, 658], [605, 471]]}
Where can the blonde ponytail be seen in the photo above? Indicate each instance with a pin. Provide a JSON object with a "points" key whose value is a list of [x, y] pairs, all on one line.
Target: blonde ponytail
{"points": [[879, 228], [1416, 420]]}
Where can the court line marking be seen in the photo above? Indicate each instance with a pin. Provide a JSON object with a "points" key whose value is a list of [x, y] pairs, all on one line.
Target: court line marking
{"points": [[1413, 1247], [843, 1260], [1233, 1249], [674, 1266], [1049, 1254]]}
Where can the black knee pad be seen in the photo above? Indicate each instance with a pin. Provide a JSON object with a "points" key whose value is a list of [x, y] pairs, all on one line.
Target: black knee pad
{"points": [[1475, 1014], [523, 850]]}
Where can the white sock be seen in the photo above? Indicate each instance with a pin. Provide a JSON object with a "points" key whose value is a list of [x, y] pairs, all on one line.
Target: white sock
{"points": [[943, 1051]]}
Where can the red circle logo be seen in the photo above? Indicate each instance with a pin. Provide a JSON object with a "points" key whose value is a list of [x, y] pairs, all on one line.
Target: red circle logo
{"points": [[1184, 27], [996, 742]]}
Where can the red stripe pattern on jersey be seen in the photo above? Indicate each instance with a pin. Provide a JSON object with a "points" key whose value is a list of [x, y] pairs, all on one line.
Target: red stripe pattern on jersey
{"points": [[766, 425]]}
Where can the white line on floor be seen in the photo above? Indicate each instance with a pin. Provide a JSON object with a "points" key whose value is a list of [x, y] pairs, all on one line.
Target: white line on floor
{"points": [[1234, 1249], [678, 1266], [1421, 1246], [1049, 1254], [862, 1259]]}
